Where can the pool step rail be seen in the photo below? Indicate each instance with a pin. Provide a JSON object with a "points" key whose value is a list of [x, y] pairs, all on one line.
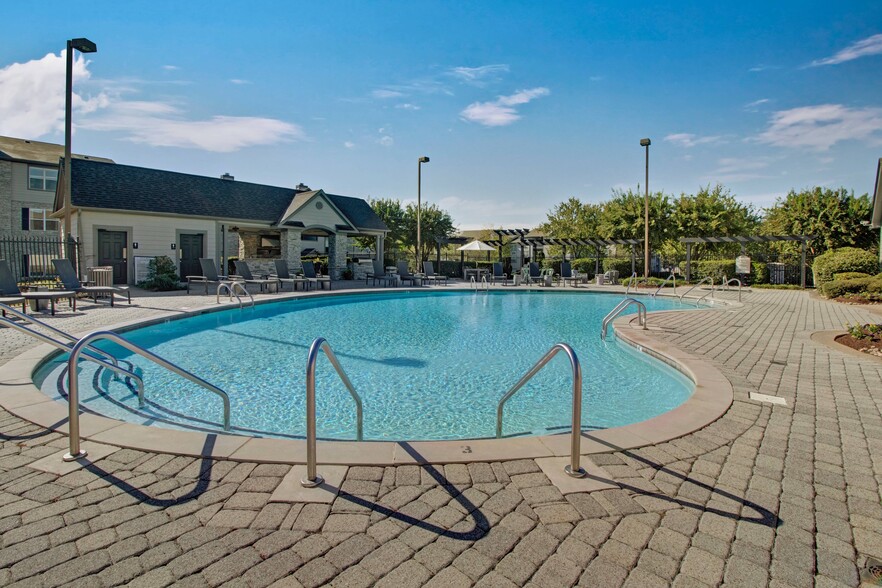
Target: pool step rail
{"points": [[704, 280], [231, 288], [619, 309]]}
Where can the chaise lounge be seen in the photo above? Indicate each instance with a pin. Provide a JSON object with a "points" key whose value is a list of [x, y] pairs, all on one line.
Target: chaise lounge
{"points": [[71, 282], [13, 295]]}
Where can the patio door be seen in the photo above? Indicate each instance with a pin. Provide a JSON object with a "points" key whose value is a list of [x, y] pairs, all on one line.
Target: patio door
{"points": [[112, 252], [191, 248]]}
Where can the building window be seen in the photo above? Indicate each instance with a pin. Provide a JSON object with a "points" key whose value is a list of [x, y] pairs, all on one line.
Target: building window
{"points": [[269, 246], [42, 178], [40, 220]]}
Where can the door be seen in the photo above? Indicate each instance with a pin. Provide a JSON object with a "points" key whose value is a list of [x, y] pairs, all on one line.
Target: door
{"points": [[191, 250], [112, 252]]}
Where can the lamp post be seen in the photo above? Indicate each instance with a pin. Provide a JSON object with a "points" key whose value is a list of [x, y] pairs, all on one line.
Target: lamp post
{"points": [[419, 243], [646, 143], [83, 46]]}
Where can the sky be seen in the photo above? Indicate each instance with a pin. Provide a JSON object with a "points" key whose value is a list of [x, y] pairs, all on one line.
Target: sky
{"points": [[519, 105]]}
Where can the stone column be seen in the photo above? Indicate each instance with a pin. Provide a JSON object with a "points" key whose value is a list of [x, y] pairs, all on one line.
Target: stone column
{"points": [[291, 249], [338, 245]]}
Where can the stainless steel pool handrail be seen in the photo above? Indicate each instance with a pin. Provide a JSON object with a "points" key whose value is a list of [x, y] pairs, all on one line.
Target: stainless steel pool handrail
{"points": [[632, 281], [573, 469], [231, 288], [673, 277], [73, 396], [700, 282], [113, 365], [619, 309], [321, 344], [726, 286]]}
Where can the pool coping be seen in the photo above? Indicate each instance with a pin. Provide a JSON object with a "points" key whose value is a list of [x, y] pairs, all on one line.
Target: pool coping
{"points": [[712, 397]]}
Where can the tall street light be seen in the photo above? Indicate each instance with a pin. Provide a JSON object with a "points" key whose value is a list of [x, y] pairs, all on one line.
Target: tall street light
{"points": [[419, 246], [83, 46], [646, 143]]}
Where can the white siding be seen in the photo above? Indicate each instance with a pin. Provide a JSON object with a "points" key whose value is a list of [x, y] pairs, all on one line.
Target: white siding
{"points": [[153, 234], [310, 216]]}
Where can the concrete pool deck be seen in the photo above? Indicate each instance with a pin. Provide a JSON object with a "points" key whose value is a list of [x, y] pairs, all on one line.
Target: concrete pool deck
{"points": [[766, 494]]}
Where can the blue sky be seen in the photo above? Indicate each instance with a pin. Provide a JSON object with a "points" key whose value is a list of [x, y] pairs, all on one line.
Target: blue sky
{"points": [[520, 105]]}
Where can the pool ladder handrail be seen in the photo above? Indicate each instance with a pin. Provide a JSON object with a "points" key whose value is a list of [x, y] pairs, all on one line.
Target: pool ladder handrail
{"points": [[73, 396], [726, 283], [108, 362], [231, 288], [632, 281], [673, 277], [482, 286], [700, 282], [619, 309], [573, 469], [313, 479]]}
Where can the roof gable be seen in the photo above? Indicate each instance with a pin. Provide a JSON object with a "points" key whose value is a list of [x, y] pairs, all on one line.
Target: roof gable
{"points": [[314, 208]]}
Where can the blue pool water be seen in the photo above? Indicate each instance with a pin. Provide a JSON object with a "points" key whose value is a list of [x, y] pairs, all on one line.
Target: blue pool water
{"points": [[428, 365]]}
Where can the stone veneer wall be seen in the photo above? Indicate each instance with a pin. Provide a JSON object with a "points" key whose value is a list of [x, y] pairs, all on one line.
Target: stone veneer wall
{"points": [[291, 245], [338, 245]]}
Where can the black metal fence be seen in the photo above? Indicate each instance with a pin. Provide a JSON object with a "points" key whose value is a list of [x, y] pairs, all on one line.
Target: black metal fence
{"points": [[30, 257]]}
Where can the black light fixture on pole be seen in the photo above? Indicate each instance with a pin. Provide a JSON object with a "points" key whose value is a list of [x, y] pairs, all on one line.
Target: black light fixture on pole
{"points": [[646, 143], [83, 46], [419, 243]]}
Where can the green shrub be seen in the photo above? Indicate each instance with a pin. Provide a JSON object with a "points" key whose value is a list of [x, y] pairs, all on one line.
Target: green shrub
{"points": [[844, 259], [584, 265], [850, 275], [760, 272], [714, 269], [161, 275], [837, 288], [619, 264]]}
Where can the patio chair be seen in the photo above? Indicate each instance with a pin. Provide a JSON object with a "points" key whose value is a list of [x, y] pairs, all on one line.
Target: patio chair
{"points": [[611, 277], [567, 275], [498, 274], [68, 276], [405, 275], [209, 275], [283, 274], [309, 274], [244, 272], [12, 295], [534, 274], [429, 272], [378, 274]]}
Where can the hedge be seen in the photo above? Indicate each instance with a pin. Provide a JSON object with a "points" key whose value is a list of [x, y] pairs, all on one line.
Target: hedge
{"points": [[849, 275], [844, 259], [860, 286], [714, 269]]}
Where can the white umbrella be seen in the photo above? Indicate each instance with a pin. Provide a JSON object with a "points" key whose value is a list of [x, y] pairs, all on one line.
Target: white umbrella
{"points": [[476, 246]]}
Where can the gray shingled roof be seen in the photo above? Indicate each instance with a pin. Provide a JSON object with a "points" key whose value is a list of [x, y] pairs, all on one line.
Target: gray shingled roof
{"points": [[125, 187], [12, 149]]}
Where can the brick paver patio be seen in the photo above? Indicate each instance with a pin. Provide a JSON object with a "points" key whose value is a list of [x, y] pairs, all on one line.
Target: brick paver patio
{"points": [[767, 495]]}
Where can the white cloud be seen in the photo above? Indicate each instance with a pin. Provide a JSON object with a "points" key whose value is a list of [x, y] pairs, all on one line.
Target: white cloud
{"points": [[690, 140], [32, 105], [737, 169], [384, 93], [863, 48], [479, 75], [386, 141], [349, 144], [501, 112], [171, 67], [595, 78], [239, 82], [407, 106], [752, 106], [32, 96], [820, 127], [762, 67]]}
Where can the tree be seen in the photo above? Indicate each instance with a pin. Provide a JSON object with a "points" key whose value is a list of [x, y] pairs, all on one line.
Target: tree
{"points": [[434, 222], [710, 213], [573, 219], [391, 213], [622, 217], [833, 217]]}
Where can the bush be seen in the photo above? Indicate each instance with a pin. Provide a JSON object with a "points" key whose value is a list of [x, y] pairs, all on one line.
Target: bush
{"points": [[161, 275], [584, 265], [849, 275], [619, 264], [760, 272], [713, 269], [844, 259], [867, 287]]}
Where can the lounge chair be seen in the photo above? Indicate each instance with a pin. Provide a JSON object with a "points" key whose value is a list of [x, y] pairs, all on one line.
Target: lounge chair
{"points": [[567, 275], [244, 272], [429, 273], [405, 275], [69, 279], [283, 274], [309, 274], [498, 274], [378, 274], [209, 275], [534, 274], [12, 295], [611, 277]]}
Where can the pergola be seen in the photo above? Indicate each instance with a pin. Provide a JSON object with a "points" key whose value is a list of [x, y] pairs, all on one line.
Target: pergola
{"points": [[743, 240]]}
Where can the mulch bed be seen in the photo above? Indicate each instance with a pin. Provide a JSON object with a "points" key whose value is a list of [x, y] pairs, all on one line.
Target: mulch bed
{"points": [[871, 345]]}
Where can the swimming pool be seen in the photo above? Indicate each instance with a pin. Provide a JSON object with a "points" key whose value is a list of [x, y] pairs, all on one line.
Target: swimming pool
{"points": [[427, 364]]}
